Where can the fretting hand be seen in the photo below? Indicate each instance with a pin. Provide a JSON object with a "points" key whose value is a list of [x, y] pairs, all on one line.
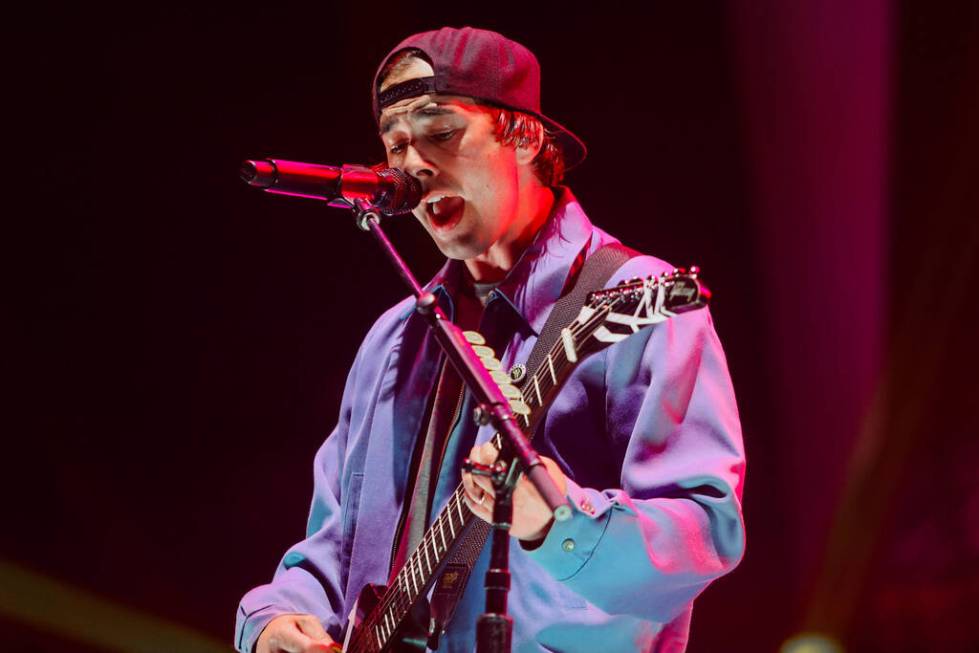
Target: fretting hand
{"points": [[532, 517]]}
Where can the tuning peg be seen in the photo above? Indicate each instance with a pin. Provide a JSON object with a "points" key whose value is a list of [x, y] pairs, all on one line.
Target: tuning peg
{"points": [[500, 377], [519, 407], [694, 270], [484, 352], [474, 337]]}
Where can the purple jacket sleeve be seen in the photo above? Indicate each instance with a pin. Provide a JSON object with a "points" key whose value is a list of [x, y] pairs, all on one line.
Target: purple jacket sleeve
{"points": [[650, 546], [308, 579]]}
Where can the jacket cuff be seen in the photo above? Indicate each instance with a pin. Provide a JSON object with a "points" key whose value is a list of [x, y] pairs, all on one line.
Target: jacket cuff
{"points": [[571, 543], [250, 626]]}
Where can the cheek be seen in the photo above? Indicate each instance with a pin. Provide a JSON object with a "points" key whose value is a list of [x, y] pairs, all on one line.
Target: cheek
{"points": [[499, 189]]}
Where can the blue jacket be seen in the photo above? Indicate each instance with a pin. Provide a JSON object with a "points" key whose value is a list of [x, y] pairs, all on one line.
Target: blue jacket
{"points": [[647, 432]]}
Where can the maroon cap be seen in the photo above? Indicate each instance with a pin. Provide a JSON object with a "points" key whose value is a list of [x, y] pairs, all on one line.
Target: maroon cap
{"points": [[483, 65]]}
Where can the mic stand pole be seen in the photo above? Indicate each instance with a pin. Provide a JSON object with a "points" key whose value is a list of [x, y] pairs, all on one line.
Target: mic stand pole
{"points": [[494, 627]]}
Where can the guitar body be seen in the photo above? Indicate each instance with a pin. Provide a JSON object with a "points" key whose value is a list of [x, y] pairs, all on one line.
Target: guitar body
{"points": [[411, 636]]}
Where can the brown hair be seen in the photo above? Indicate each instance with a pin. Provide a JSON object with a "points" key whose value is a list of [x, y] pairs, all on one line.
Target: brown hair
{"points": [[522, 129]]}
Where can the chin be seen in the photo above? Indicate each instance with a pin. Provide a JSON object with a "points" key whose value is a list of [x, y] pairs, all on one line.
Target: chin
{"points": [[461, 249]]}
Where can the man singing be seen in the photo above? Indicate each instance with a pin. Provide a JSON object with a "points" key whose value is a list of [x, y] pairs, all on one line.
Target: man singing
{"points": [[644, 437]]}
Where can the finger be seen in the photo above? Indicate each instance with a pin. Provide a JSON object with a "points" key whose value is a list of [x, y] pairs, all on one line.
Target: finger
{"points": [[472, 504], [313, 638], [467, 477], [312, 628], [485, 453], [469, 485], [481, 506], [283, 635], [476, 485], [290, 640], [473, 498], [489, 452], [482, 485], [471, 490]]}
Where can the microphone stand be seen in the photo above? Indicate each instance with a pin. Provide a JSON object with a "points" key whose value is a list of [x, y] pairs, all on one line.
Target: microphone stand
{"points": [[494, 628]]}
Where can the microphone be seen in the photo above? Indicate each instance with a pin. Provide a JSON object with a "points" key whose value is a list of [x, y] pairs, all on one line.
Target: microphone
{"points": [[391, 190]]}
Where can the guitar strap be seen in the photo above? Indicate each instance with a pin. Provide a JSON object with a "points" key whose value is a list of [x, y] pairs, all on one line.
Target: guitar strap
{"points": [[595, 273], [586, 276]]}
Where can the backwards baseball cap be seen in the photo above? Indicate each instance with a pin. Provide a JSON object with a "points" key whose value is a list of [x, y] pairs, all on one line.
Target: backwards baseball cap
{"points": [[483, 65]]}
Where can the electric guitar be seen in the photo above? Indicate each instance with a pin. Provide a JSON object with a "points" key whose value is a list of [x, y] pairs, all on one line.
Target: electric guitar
{"points": [[389, 619]]}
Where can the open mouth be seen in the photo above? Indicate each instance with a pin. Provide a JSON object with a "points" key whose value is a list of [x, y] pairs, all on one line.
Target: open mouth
{"points": [[444, 211]]}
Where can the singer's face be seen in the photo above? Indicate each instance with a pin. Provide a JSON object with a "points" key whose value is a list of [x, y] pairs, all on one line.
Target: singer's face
{"points": [[472, 182]]}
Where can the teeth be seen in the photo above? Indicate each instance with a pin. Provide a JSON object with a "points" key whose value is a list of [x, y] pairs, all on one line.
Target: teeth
{"points": [[436, 198]]}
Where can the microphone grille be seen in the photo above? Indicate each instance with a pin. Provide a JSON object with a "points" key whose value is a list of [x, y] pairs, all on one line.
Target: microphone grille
{"points": [[401, 195]]}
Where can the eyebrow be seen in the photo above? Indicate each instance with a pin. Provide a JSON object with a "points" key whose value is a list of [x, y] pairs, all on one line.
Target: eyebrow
{"points": [[387, 123]]}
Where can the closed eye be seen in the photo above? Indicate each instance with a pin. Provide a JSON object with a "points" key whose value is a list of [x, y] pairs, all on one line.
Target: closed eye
{"points": [[443, 136]]}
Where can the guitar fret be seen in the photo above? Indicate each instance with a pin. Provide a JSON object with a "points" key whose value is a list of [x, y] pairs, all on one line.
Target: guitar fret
{"points": [[462, 519], [550, 365], [568, 341], [540, 400], [387, 621], [427, 559], [451, 529], [411, 575], [445, 547], [380, 640]]}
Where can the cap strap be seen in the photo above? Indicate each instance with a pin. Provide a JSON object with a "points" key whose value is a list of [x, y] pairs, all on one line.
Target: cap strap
{"points": [[409, 88]]}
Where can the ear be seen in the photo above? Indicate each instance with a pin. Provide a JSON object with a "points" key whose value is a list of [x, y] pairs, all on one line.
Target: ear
{"points": [[527, 153]]}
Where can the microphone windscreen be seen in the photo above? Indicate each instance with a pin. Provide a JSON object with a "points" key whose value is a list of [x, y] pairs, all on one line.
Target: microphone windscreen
{"points": [[402, 193]]}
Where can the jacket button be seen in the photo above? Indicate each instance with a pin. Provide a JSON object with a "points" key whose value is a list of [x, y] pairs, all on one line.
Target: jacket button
{"points": [[568, 545]]}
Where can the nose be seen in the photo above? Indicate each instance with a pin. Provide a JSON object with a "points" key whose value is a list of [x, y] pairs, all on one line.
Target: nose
{"points": [[415, 164]]}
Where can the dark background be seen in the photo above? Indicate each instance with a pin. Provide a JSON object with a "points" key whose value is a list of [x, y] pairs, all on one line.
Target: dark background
{"points": [[179, 341]]}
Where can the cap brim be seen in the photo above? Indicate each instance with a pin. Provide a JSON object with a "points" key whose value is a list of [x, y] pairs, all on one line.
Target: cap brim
{"points": [[572, 147]]}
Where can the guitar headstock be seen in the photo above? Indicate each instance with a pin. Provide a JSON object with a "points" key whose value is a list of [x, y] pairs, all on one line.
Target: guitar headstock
{"points": [[638, 303]]}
